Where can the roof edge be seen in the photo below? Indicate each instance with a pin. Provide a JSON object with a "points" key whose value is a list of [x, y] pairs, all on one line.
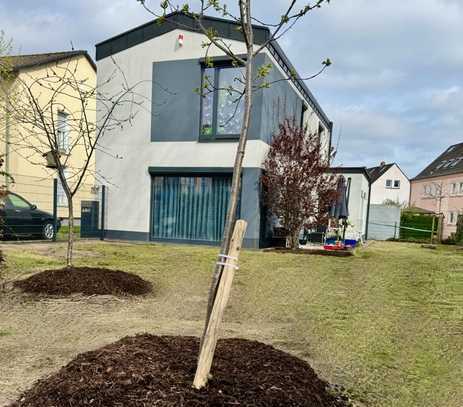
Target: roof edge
{"points": [[351, 170], [173, 14], [275, 50], [68, 55]]}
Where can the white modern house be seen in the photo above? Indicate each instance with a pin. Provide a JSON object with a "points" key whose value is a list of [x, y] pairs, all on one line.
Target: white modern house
{"points": [[358, 198], [389, 184], [172, 175]]}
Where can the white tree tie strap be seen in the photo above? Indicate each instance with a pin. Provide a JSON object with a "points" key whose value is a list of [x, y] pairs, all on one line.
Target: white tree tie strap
{"points": [[224, 256]]}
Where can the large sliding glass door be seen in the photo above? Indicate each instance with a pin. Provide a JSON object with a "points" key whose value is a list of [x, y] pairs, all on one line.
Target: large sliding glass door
{"points": [[190, 208]]}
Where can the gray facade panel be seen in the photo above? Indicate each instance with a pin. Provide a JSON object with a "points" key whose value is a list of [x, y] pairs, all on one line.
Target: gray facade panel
{"points": [[257, 101], [250, 202], [176, 110], [126, 235], [280, 101], [175, 106]]}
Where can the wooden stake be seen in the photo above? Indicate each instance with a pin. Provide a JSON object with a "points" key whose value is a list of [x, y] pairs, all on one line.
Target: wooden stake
{"points": [[433, 227], [209, 342], [440, 227]]}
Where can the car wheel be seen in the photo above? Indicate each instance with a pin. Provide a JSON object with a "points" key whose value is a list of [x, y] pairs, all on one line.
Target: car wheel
{"points": [[48, 231]]}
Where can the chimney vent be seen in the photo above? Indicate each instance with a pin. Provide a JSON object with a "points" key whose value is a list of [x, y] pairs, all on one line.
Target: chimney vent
{"points": [[382, 163]]}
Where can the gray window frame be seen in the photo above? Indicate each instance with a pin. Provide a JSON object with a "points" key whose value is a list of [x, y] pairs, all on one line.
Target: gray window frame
{"points": [[217, 66]]}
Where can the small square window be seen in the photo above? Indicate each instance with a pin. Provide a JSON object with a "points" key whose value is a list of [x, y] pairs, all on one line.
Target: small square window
{"points": [[397, 183], [389, 183]]}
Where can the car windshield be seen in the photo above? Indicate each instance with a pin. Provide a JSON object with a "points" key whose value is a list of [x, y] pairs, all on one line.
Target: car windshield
{"points": [[17, 202]]}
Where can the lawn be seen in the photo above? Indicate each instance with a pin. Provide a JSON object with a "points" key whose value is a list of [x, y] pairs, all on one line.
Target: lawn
{"points": [[387, 324]]}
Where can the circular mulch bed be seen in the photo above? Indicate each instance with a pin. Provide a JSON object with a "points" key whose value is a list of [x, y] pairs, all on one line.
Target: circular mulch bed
{"points": [[147, 370], [84, 280]]}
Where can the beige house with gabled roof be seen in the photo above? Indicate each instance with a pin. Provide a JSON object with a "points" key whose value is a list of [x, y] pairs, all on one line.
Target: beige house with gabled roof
{"points": [[33, 178]]}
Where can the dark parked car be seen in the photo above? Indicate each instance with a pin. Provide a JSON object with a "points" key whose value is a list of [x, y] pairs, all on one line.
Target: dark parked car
{"points": [[19, 218]]}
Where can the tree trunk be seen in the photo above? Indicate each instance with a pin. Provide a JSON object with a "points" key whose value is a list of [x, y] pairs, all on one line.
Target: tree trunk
{"points": [[236, 182], [293, 240], [70, 233]]}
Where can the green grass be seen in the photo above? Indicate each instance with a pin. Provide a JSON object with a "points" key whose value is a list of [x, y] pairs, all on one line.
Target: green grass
{"points": [[64, 230], [387, 323]]}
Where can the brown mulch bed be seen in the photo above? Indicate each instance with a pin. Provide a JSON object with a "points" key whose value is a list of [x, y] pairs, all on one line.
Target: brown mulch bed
{"points": [[147, 370], [84, 280]]}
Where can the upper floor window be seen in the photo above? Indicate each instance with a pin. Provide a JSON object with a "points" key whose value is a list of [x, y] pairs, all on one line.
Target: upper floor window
{"points": [[397, 183], [453, 188], [62, 132], [453, 218], [389, 183], [222, 102]]}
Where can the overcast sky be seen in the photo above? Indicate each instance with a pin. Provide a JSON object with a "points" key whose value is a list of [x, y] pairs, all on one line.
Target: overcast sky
{"points": [[394, 91]]}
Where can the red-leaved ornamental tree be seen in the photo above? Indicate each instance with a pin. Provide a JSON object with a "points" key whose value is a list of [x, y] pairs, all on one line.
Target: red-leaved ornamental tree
{"points": [[298, 187]]}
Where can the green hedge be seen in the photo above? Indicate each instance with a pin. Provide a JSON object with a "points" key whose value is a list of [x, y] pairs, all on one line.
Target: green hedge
{"points": [[459, 233], [417, 221]]}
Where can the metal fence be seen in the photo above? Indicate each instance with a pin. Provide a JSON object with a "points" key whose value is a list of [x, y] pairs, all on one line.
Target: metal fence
{"points": [[384, 222], [392, 223]]}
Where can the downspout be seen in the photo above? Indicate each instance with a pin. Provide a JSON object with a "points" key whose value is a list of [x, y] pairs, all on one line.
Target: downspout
{"points": [[330, 129], [368, 207], [7, 144], [5, 91]]}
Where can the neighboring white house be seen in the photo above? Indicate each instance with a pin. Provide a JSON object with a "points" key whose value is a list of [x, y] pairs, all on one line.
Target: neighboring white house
{"points": [[389, 183], [358, 197]]}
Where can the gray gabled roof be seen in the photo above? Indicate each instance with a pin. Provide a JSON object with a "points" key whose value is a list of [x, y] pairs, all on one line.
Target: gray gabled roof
{"points": [[448, 163], [376, 172], [20, 62], [225, 29]]}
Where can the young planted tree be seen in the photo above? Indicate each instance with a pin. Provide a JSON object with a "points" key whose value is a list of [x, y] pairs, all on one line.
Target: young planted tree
{"points": [[3, 174], [54, 120], [244, 85], [298, 188], [240, 12]]}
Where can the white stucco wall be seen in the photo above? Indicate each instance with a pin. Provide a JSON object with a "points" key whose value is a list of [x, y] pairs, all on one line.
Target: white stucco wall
{"points": [[128, 152], [380, 193], [358, 201]]}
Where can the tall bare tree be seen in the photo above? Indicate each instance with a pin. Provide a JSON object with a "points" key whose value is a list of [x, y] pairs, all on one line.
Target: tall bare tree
{"points": [[247, 85], [53, 113]]}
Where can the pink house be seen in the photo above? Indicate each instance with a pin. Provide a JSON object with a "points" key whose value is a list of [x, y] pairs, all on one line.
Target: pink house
{"points": [[439, 187]]}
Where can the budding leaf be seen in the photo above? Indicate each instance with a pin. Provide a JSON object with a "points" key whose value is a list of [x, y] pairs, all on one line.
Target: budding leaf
{"points": [[327, 62]]}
